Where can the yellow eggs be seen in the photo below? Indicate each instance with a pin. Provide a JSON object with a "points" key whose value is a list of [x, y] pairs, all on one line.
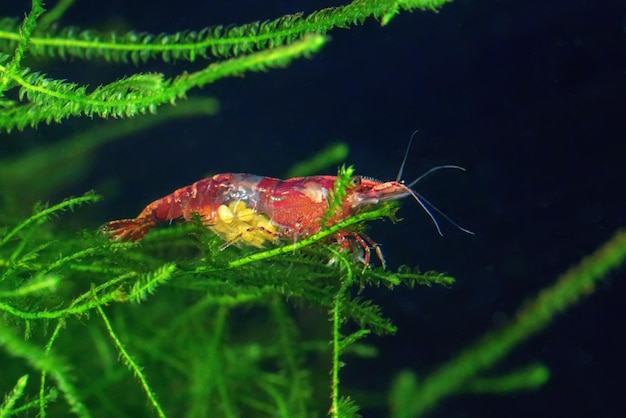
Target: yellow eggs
{"points": [[236, 221]]}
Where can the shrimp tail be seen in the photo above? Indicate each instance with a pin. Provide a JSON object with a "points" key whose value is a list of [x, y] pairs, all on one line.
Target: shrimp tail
{"points": [[128, 229]]}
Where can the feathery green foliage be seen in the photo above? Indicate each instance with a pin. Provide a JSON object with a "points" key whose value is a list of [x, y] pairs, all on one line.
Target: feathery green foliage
{"points": [[52, 100], [256, 46], [14, 396], [218, 41], [41, 281]]}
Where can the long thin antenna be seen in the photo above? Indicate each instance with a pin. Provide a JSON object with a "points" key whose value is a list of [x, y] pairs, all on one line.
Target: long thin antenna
{"points": [[406, 155], [432, 170], [424, 203], [427, 206]]}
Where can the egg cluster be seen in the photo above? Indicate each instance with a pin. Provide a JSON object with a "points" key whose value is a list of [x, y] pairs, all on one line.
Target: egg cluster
{"points": [[238, 224]]}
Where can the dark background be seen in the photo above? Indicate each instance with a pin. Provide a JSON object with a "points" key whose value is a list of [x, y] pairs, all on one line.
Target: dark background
{"points": [[527, 95]]}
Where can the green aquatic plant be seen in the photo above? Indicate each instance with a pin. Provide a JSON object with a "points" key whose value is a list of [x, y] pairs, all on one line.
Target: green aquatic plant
{"points": [[257, 46], [177, 325], [56, 284]]}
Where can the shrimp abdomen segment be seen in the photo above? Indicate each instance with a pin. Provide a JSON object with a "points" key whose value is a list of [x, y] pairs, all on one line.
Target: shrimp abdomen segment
{"points": [[202, 198], [127, 229], [134, 229]]}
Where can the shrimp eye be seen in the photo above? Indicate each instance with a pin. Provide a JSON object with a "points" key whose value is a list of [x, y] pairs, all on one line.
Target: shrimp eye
{"points": [[355, 181]]}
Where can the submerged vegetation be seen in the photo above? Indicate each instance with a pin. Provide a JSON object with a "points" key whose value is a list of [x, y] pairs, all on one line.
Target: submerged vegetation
{"points": [[121, 329], [52, 284]]}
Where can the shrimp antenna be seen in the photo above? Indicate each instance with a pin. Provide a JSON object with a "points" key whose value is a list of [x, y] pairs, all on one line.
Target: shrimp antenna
{"points": [[406, 155], [432, 170], [421, 200], [425, 202], [427, 206]]}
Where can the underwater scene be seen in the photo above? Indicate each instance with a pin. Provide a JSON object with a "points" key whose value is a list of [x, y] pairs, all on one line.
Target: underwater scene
{"points": [[366, 208]]}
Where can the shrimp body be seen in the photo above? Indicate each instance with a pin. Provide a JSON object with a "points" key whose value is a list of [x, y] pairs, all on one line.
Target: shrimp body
{"points": [[247, 209]]}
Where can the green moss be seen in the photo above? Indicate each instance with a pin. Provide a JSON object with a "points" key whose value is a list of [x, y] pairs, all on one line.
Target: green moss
{"points": [[169, 307]]}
